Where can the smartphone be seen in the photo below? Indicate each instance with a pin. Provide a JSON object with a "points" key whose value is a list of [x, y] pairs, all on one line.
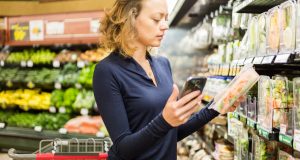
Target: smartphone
{"points": [[193, 84]]}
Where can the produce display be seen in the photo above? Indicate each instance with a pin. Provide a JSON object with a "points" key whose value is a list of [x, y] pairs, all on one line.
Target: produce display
{"points": [[69, 98], [264, 150], [287, 27], [57, 98], [93, 55], [84, 99], [239, 86], [25, 99], [282, 155], [3, 56], [261, 35], [67, 56], [252, 42], [8, 74], [86, 75], [280, 91], [273, 31], [86, 125], [43, 56], [265, 107], [298, 26], [69, 75]]}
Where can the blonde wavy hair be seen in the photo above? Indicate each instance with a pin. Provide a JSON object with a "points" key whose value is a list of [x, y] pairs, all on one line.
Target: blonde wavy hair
{"points": [[117, 27]]}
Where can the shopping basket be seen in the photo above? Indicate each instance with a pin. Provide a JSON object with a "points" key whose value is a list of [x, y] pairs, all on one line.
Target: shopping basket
{"points": [[67, 149]]}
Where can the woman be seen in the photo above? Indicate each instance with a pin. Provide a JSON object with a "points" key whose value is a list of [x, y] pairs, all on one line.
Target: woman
{"points": [[134, 90]]}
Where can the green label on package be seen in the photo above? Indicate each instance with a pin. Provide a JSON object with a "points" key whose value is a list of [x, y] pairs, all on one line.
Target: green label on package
{"points": [[263, 133], [251, 123], [286, 139]]}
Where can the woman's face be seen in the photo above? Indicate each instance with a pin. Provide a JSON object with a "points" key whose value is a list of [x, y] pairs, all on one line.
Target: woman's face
{"points": [[151, 22]]}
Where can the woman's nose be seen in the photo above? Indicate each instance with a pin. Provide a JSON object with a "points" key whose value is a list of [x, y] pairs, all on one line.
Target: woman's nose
{"points": [[164, 25]]}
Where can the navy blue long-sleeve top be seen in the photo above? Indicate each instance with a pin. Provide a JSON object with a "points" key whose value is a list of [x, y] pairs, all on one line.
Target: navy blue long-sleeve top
{"points": [[131, 106]]}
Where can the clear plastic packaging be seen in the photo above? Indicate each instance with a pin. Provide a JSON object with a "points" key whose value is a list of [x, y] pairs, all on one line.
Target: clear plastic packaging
{"points": [[273, 31], [282, 155], [298, 26], [239, 86], [287, 27], [236, 46], [229, 52], [287, 121], [261, 35], [251, 108], [252, 35], [265, 108], [263, 149], [296, 92], [222, 52], [280, 91]]}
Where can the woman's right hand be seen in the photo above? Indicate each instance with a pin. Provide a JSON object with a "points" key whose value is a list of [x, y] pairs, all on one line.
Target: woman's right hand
{"points": [[178, 112]]}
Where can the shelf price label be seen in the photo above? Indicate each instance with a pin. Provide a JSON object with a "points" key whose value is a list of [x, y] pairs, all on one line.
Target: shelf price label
{"points": [[23, 64], [100, 134], [29, 63], [80, 64], [282, 58], [38, 128], [2, 63], [30, 84], [56, 64], [248, 61], [258, 60], [84, 111], [288, 140], [2, 125], [62, 110], [78, 85], [57, 85], [52, 109], [9, 84], [63, 131]]}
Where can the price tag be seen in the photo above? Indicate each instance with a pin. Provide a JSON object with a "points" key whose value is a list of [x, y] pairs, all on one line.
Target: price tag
{"points": [[2, 125], [30, 85], [268, 60], [78, 85], [9, 84], [258, 60], [74, 57], [248, 61], [84, 111], [80, 64], [23, 63], [57, 85], [282, 58], [100, 134], [52, 109], [62, 110], [38, 128], [63, 131], [282, 128], [29, 63], [56, 64], [2, 63]]}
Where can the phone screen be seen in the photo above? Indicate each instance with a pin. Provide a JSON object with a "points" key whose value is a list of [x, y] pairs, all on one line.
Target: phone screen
{"points": [[193, 84]]}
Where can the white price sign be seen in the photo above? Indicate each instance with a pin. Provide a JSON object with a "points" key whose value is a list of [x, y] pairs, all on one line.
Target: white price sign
{"points": [[258, 60], [63, 131], [56, 64], [2, 63], [80, 64], [84, 111], [62, 110], [23, 63], [268, 60], [282, 58], [248, 61], [52, 109], [100, 134], [2, 125], [282, 128], [57, 85], [78, 86], [29, 63], [38, 128]]}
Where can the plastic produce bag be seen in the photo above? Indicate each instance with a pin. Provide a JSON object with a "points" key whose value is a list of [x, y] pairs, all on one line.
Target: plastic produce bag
{"points": [[239, 86]]}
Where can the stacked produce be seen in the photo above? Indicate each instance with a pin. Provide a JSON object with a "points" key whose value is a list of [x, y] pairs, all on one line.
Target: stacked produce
{"points": [[25, 99], [29, 120], [42, 56], [84, 99], [86, 125], [69, 75], [67, 56], [43, 76], [86, 75], [93, 55], [8, 74]]}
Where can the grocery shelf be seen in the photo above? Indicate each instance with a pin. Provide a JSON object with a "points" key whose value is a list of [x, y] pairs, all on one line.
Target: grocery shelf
{"points": [[28, 139], [256, 6], [222, 130]]}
